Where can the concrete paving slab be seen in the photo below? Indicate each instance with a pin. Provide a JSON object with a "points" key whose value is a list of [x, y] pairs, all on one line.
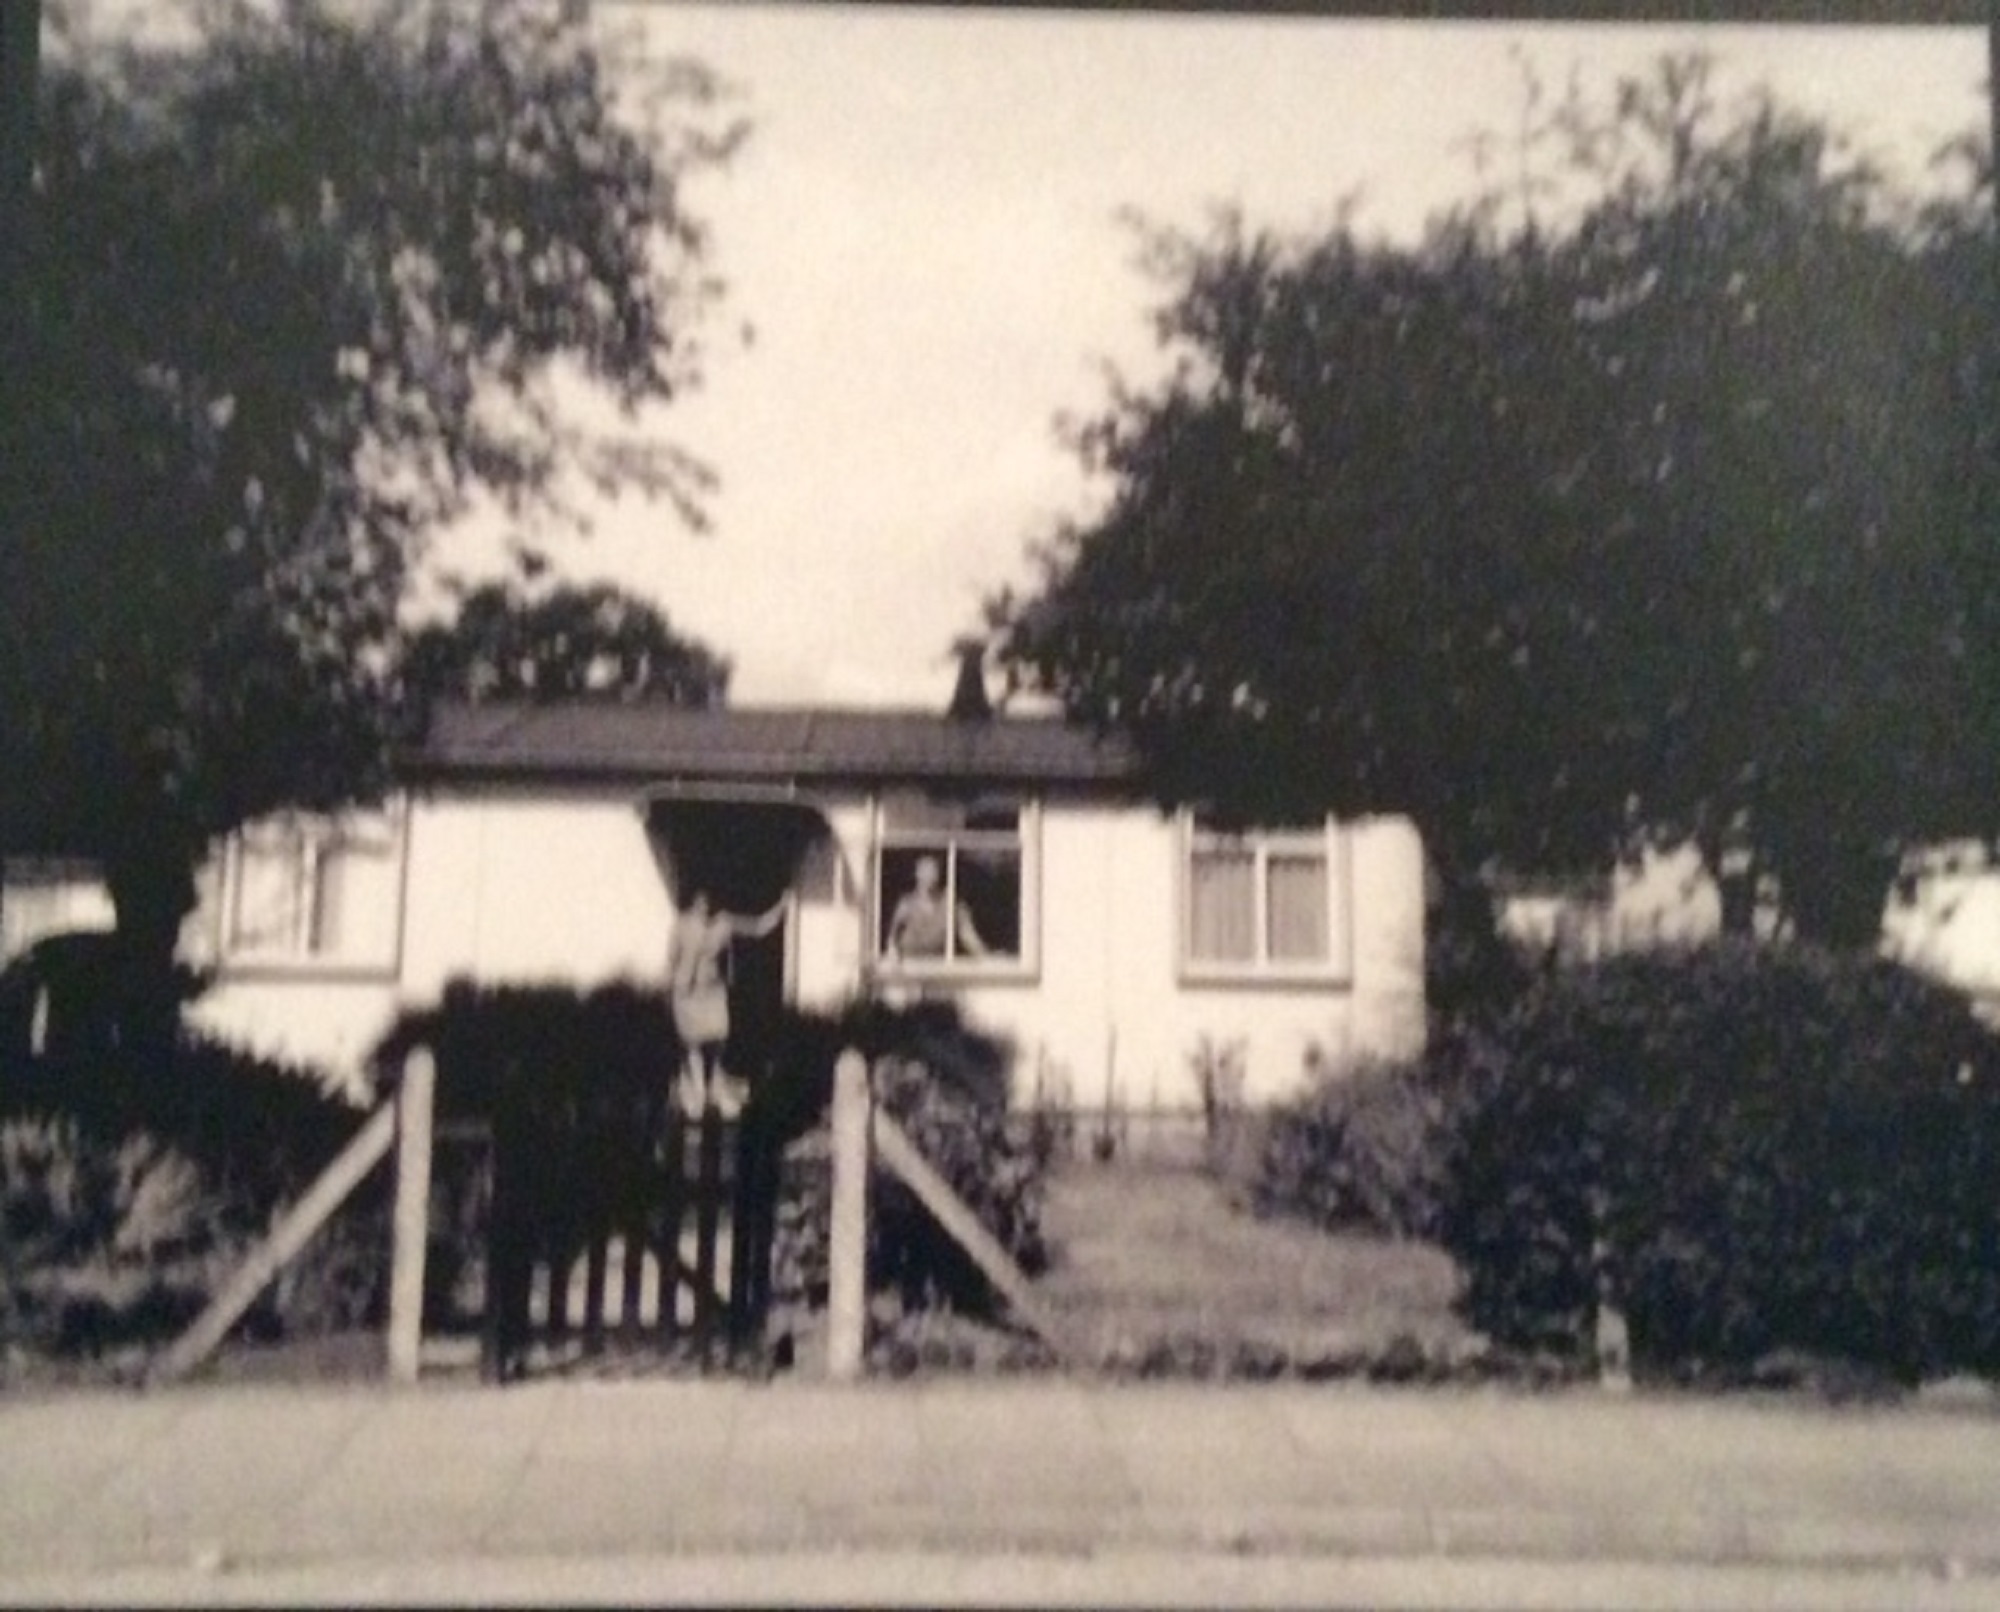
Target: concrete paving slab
{"points": [[62, 1451], [274, 1477], [573, 1508], [923, 1579], [1852, 1538], [1231, 1524], [1018, 1448], [1600, 1534]]}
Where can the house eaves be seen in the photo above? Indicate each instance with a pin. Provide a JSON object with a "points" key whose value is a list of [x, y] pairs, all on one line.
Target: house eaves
{"points": [[640, 743]]}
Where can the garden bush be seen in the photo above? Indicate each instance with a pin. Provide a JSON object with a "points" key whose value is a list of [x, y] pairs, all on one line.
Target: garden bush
{"points": [[1375, 1146], [130, 1188], [947, 1085], [1754, 1149]]}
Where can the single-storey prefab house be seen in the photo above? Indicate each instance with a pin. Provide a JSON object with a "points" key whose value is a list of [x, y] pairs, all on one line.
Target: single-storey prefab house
{"points": [[553, 842]]}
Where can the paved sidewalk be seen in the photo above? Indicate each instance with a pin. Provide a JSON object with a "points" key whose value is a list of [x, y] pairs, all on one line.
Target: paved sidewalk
{"points": [[249, 1490]]}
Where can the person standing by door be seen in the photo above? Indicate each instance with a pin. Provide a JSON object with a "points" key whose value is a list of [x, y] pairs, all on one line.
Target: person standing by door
{"points": [[698, 988]]}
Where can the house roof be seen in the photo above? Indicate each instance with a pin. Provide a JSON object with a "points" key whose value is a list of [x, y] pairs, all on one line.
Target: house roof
{"points": [[643, 742]]}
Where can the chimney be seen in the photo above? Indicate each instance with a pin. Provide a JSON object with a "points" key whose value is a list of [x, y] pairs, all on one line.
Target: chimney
{"points": [[968, 700]]}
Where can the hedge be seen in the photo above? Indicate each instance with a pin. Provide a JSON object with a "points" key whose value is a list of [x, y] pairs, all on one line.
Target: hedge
{"points": [[1754, 1148], [131, 1187]]}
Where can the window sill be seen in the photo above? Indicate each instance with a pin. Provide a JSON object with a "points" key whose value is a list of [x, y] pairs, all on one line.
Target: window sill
{"points": [[1263, 976], [951, 975], [304, 970]]}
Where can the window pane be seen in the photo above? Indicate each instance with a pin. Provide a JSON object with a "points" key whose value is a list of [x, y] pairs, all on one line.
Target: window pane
{"points": [[921, 813], [1222, 919], [354, 919], [913, 902], [989, 897], [907, 813], [317, 888], [265, 915], [1296, 908]]}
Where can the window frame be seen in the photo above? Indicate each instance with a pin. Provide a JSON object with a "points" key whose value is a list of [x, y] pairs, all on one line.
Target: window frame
{"points": [[1328, 842], [298, 959], [1025, 840]]}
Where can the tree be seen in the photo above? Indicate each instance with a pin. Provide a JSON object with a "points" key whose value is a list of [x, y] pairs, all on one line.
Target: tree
{"points": [[1651, 511], [299, 286], [568, 643], [1325, 573], [1798, 368]]}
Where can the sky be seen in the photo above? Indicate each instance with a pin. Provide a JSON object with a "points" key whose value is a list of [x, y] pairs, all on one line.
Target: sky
{"points": [[923, 234]]}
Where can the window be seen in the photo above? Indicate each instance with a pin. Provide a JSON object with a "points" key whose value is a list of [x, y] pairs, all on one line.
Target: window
{"points": [[324, 892], [951, 885], [1261, 903]]}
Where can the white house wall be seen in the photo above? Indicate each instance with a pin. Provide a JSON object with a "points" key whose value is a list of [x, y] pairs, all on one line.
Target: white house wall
{"points": [[827, 938], [326, 1024], [1107, 1004], [504, 887], [528, 886], [510, 887]]}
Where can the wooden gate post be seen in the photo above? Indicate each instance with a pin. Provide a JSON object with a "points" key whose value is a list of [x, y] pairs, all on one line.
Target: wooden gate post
{"points": [[847, 1239], [415, 1098]]}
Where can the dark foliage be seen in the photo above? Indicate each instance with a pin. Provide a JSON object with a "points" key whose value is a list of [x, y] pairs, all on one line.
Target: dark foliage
{"points": [[258, 1129], [133, 1183], [555, 1052], [1756, 1148], [1376, 1146], [946, 1084], [301, 283], [587, 1076], [1660, 510], [568, 642]]}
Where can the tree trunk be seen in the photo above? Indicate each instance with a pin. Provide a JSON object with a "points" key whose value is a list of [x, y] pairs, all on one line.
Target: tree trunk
{"points": [[152, 891], [1734, 868], [1834, 891]]}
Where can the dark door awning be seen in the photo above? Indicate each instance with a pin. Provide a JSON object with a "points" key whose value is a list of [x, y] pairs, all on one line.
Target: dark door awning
{"points": [[742, 845]]}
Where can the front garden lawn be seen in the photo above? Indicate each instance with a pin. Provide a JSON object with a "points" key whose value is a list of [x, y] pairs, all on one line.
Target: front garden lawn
{"points": [[1157, 1260]]}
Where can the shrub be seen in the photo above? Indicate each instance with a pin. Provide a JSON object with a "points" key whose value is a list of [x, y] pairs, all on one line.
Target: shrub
{"points": [[130, 1188], [947, 1085], [1375, 1146], [1753, 1149], [257, 1129], [556, 1050]]}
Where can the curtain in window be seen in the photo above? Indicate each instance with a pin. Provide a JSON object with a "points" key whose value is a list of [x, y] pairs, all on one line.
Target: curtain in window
{"points": [[1222, 916], [1296, 908], [989, 888], [269, 889]]}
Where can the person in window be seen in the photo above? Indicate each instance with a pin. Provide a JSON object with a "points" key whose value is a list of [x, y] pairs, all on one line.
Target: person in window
{"points": [[698, 987], [917, 927]]}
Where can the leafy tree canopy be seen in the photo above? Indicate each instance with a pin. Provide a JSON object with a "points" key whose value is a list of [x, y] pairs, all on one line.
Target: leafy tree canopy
{"points": [[570, 642], [1653, 497], [301, 281]]}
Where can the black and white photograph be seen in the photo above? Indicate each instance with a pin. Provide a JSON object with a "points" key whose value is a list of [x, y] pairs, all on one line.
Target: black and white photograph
{"points": [[894, 804]]}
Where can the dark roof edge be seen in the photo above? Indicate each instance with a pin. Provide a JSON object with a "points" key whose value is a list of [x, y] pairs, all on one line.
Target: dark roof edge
{"points": [[1119, 781]]}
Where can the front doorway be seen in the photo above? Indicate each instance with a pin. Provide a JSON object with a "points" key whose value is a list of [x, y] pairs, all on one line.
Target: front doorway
{"points": [[745, 853]]}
